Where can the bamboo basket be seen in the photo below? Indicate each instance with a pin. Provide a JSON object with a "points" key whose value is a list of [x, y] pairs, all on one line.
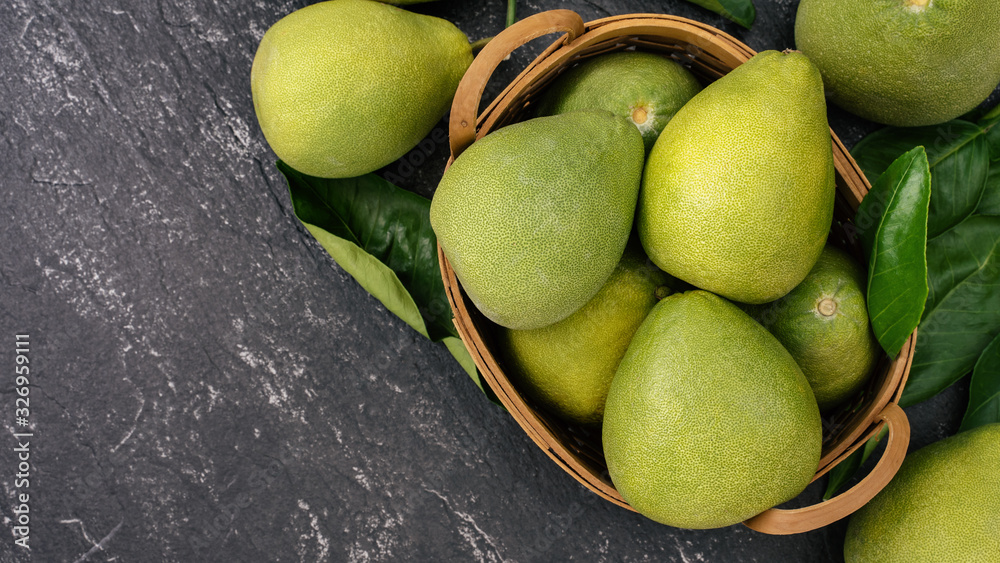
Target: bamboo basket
{"points": [[709, 54]]}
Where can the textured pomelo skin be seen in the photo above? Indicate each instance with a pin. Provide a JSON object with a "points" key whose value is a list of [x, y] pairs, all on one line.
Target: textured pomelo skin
{"points": [[534, 217], [567, 367], [708, 420], [823, 323], [737, 195], [344, 87], [942, 505], [645, 88], [903, 62]]}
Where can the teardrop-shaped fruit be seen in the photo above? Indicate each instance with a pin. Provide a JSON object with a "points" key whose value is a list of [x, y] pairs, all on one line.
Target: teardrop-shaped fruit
{"points": [[567, 367], [344, 87], [645, 88], [708, 421], [737, 195], [823, 323], [942, 505], [903, 62], [534, 217]]}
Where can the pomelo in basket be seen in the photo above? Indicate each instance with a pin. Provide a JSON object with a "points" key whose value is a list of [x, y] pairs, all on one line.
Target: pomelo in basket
{"points": [[823, 323], [708, 421], [737, 194], [645, 88], [534, 217], [567, 367]]}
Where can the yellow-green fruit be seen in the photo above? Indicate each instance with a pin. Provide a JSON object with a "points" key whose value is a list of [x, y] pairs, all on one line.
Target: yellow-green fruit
{"points": [[942, 505], [534, 217], [567, 367], [823, 323], [344, 87], [903, 62], [708, 420], [737, 195], [645, 88]]}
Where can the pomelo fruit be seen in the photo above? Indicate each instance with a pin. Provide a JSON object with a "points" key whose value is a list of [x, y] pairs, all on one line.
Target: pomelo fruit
{"points": [[567, 367], [942, 505], [344, 87], [645, 88], [534, 216], [823, 323], [903, 62], [737, 193], [708, 421]]}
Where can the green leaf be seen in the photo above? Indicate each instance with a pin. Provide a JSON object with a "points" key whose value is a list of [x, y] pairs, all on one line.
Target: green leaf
{"points": [[845, 470], [984, 389], [990, 203], [993, 140], [742, 12], [962, 315], [381, 235], [957, 152], [897, 263]]}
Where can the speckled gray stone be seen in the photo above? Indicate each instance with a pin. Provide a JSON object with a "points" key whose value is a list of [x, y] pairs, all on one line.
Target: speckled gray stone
{"points": [[207, 384]]}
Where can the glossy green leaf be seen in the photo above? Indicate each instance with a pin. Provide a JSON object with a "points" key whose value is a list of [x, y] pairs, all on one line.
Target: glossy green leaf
{"points": [[991, 124], [993, 140], [984, 389], [962, 315], [896, 246], [381, 235], [958, 155], [742, 12], [990, 203], [842, 473]]}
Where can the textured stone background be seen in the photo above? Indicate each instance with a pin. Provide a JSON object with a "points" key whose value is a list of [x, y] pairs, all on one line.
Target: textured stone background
{"points": [[208, 384]]}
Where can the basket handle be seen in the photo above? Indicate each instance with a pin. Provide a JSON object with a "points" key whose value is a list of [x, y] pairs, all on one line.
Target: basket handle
{"points": [[783, 522], [462, 125]]}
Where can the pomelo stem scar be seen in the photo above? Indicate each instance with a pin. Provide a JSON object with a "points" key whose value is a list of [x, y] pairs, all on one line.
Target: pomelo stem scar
{"points": [[827, 307]]}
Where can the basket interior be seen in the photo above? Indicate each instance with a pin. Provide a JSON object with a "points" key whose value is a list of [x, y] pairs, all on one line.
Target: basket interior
{"points": [[578, 449]]}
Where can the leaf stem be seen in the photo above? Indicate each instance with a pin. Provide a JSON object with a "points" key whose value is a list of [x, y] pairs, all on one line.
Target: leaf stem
{"points": [[511, 12]]}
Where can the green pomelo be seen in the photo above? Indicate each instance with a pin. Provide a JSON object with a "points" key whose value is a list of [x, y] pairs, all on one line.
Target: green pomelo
{"points": [[344, 87], [942, 505], [823, 323], [903, 62], [534, 217], [737, 195], [567, 367], [708, 421], [645, 88]]}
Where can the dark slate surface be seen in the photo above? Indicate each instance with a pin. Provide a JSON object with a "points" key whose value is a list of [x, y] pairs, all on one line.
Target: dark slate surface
{"points": [[207, 384]]}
